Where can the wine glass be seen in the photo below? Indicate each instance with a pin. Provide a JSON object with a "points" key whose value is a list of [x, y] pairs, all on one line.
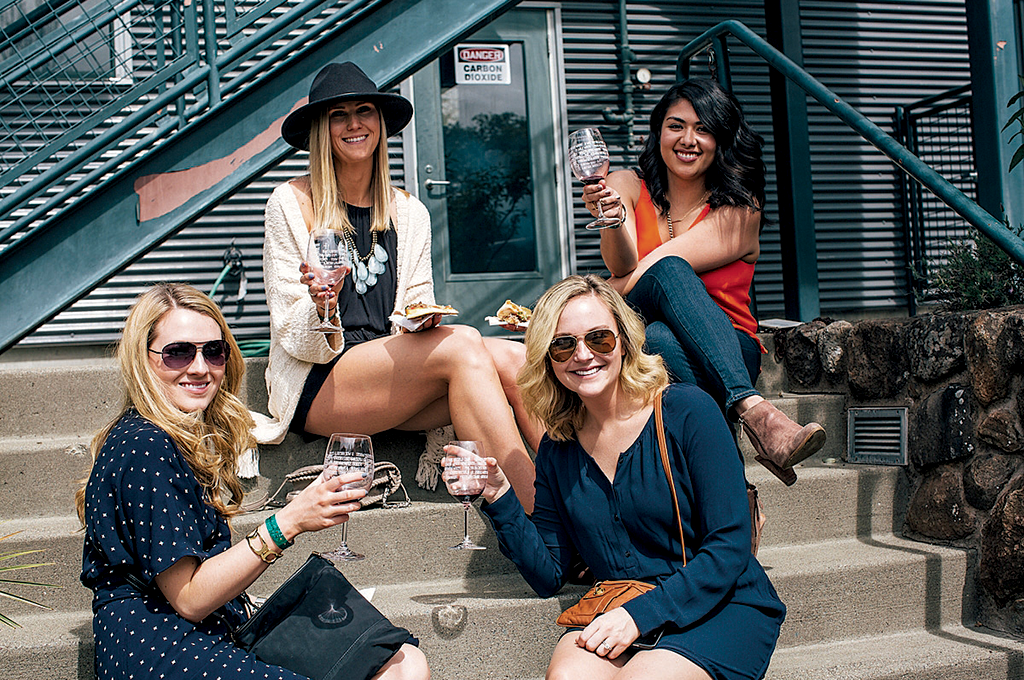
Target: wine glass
{"points": [[348, 453], [465, 475], [588, 158], [328, 258]]}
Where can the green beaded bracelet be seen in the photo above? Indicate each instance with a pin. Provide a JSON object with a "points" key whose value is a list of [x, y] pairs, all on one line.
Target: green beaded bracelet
{"points": [[275, 534]]}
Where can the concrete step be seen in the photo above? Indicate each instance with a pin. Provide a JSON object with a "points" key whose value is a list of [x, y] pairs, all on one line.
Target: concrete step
{"points": [[59, 647], [828, 503], [38, 479], [948, 652], [829, 410], [39, 472], [77, 397], [834, 590]]}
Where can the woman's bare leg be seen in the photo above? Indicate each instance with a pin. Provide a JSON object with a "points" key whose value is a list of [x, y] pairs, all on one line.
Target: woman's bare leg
{"points": [[398, 381], [408, 663], [509, 357], [570, 662], [661, 664]]}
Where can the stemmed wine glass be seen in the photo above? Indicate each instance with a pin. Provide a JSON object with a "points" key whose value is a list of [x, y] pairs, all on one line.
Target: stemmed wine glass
{"points": [[465, 475], [348, 453], [588, 158], [328, 257]]}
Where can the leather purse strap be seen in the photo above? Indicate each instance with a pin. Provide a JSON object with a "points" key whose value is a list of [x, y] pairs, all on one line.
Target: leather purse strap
{"points": [[663, 447]]}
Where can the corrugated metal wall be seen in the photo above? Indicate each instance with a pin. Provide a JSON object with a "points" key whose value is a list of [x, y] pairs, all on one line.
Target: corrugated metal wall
{"points": [[873, 54]]}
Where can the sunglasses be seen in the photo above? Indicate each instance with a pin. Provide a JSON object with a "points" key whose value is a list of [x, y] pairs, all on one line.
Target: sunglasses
{"points": [[181, 354], [563, 347]]}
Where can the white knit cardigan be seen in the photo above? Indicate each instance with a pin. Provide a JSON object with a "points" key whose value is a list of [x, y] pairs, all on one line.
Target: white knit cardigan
{"points": [[293, 347]]}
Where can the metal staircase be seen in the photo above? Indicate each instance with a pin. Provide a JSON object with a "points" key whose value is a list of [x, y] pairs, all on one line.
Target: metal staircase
{"points": [[182, 108]]}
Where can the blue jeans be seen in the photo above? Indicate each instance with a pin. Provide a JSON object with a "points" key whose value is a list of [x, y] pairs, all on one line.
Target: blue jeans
{"points": [[693, 335]]}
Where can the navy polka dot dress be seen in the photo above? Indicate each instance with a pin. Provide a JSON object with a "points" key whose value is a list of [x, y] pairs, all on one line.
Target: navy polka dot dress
{"points": [[144, 511]]}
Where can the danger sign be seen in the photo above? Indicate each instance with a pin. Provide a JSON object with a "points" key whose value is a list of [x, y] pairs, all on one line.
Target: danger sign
{"points": [[482, 65]]}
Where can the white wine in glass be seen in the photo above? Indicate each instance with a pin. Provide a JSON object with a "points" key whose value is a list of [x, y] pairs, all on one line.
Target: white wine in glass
{"points": [[589, 160], [465, 475], [348, 453], [329, 260]]}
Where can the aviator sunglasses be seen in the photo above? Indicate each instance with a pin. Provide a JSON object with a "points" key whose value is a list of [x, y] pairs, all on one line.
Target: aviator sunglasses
{"points": [[563, 347], [181, 354]]}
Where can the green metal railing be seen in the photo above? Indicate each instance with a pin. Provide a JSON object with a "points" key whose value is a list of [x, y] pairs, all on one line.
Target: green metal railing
{"points": [[88, 86], [896, 152]]}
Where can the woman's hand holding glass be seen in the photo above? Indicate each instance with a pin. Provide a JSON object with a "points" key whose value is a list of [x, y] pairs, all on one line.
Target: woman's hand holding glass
{"points": [[323, 504], [327, 264], [465, 475], [589, 161], [600, 199], [349, 457]]}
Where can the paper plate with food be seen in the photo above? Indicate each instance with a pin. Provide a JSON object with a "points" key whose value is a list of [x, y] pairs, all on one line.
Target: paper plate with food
{"points": [[512, 316], [415, 316]]}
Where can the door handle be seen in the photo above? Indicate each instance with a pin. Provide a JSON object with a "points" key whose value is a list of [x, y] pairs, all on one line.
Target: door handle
{"points": [[431, 183]]}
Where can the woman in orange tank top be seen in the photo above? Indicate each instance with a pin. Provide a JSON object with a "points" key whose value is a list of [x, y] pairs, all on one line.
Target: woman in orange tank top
{"points": [[684, 252]]}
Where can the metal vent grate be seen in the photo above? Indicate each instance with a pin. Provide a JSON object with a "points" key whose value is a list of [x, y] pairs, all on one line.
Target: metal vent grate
{"points": [[877, 436]]}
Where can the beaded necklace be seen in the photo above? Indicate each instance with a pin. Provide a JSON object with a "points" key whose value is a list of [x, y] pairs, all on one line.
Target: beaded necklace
{"points": [[367, 267]]}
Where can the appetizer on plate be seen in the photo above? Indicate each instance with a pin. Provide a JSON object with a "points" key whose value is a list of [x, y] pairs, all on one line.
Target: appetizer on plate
{"points": [[419, 309], [415, 316], [511, 314]]}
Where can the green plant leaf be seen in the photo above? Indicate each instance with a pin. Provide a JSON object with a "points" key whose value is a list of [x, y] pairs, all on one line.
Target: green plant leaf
{"points": [[10, 622], [30, 583], [7, 556], [6, 620], [1014, 118], [19, 598], [1018, 156]]}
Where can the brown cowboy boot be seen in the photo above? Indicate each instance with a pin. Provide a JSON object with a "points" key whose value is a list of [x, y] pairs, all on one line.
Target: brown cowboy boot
{"points": [[778, 441]]}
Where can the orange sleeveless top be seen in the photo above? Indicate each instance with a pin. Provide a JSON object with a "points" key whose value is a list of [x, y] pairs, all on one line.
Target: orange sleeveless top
{"points": [[728, 286]]}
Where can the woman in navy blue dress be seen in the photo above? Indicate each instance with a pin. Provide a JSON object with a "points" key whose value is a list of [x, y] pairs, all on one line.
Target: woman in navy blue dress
{"points": [[156, 504], [601, 490]]}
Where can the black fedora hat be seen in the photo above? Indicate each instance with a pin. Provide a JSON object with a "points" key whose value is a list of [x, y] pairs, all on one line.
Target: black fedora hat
{"points": [[343, 82]]}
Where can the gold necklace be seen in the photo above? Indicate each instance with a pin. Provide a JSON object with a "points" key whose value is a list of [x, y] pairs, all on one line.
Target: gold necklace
{"points": [[350, 241], [668, 213]]}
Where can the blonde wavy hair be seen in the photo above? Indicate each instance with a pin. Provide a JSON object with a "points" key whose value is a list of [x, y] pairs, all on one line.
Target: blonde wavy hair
{"points": [[559, 408], [211, 440], [329, 208]]}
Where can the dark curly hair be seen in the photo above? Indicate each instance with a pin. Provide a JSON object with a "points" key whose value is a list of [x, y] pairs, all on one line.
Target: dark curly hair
{"points": [[737, 175]]}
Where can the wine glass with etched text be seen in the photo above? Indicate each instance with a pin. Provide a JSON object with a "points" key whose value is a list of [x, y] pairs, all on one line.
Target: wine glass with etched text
{"points": [[465, 475], [348, 453], [329, 260], [589, 160]]}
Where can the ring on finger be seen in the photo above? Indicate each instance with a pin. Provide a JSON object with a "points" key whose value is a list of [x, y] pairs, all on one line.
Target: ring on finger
{"points": [[604, 645]]}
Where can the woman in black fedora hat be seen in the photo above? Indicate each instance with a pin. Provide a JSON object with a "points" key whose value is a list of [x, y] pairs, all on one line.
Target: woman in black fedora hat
{"points": [[370, 376]]}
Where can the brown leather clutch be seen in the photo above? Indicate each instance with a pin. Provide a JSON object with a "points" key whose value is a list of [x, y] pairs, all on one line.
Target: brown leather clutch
{"points": [[602, 596]]}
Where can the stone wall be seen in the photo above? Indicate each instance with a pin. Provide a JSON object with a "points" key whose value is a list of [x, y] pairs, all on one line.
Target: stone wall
{"points": [[960, 376]]}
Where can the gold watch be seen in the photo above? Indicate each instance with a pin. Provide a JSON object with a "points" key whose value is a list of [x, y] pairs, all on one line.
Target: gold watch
{"points": [[263, 552]]}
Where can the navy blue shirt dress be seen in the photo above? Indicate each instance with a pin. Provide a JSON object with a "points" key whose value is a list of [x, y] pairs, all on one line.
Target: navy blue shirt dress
{"points": [[720, 610], [144, 511]]}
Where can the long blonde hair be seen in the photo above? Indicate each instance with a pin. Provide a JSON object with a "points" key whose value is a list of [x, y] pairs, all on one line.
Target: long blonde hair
{"points": [[559, 408], [210, 440], [329, 208]]}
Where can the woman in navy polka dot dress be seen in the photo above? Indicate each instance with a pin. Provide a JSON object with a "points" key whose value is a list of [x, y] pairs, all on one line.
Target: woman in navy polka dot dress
{"points": [[157, 500]]}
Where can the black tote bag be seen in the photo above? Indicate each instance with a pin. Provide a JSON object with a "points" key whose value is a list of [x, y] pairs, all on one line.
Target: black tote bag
{"points": [[318, 625]]}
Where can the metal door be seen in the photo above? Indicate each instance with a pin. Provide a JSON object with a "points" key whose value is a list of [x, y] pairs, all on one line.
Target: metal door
{"points": [[486, 149]]}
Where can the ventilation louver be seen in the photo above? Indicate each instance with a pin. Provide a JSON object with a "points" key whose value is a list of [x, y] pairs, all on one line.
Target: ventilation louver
{"points": [[877, 436]]}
